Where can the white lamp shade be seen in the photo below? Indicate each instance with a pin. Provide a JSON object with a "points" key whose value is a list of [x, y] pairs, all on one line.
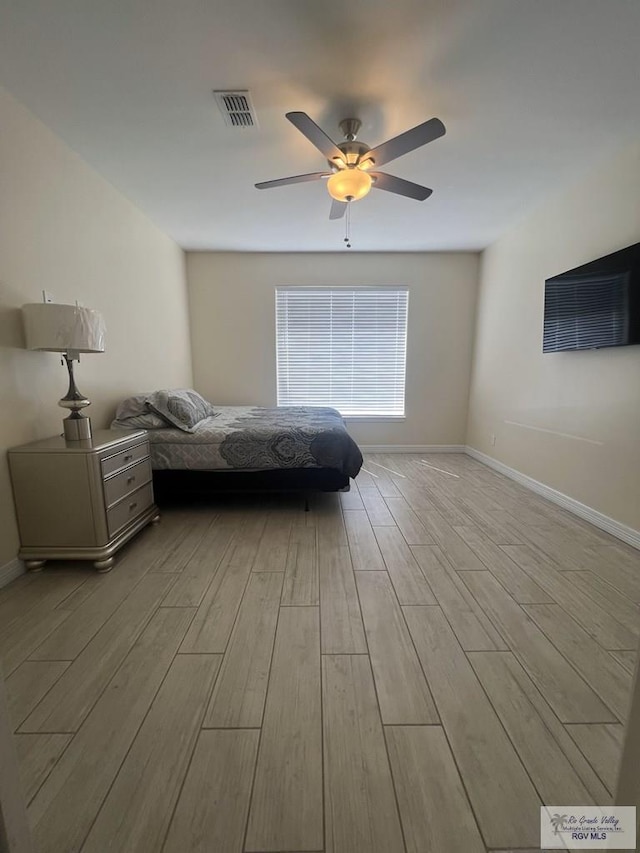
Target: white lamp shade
{"points": [[63, 328]]}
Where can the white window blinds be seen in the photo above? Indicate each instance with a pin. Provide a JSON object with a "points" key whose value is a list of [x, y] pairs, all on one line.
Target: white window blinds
{"points": [[342, 347]]}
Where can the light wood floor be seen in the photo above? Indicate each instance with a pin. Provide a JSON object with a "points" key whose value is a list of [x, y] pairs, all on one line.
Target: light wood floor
{"points": [[411, 666]]}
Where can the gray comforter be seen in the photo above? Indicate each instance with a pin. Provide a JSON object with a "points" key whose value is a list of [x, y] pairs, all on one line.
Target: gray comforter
{"points": [[251, 438]]}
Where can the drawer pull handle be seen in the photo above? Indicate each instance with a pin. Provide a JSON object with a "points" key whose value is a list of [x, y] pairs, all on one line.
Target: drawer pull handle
{"points": [[130, 480], [128, 457], [133, 505]]}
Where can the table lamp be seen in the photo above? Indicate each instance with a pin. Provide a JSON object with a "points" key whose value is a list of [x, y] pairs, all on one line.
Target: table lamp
{"points": [[70, 330]]}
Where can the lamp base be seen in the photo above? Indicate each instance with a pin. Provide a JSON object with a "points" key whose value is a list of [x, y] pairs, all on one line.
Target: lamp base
{"points": [[77, 427]]}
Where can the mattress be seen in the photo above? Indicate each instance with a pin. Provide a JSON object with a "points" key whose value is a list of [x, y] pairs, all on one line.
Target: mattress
{"points": [[252, 438]]}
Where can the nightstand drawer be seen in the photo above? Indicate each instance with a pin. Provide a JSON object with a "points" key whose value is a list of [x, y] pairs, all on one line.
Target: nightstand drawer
{"points": [[129, 508], [126, 457], [127, 481]]}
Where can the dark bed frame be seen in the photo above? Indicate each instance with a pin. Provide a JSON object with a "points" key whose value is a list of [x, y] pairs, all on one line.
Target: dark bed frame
{"points": [[174, 486]]}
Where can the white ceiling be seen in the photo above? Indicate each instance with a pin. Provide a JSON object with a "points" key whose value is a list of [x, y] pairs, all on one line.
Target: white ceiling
{"points": [[532, 92]]}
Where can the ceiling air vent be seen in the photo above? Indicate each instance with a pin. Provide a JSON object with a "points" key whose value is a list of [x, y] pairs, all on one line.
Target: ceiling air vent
{"points": [[236, 107]]}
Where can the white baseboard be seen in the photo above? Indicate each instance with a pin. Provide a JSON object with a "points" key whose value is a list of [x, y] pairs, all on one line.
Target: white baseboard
{"points": [[413, 448], [10, 571], [599, 519]]}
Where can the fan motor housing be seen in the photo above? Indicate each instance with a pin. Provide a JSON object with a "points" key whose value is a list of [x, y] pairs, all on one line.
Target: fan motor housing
{"points": [[354, 152]]}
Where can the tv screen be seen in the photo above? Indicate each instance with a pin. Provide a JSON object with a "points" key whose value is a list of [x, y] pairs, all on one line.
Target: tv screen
{"points": [[595, 305]]}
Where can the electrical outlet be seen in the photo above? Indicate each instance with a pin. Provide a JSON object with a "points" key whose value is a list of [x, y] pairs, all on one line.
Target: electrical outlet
{"points": [[493, 440], [46, 296]]}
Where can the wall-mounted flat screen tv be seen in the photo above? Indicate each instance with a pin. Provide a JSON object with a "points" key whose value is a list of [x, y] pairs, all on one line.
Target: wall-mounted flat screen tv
{"points": [[595, 305]]}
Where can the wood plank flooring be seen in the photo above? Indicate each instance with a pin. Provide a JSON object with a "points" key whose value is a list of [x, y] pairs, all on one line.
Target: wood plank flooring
{"points": [[414, 666]]}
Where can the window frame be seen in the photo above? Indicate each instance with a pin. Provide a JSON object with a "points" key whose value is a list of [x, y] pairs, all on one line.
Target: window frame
{"points": [[380, 417]]}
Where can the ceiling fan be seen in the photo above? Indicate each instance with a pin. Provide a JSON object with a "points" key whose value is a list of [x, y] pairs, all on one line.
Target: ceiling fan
{"points": [[353, 165]]}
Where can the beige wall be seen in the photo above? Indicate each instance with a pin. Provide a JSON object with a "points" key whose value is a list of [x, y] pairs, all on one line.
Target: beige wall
{"points": [[232, 303], [64, 229], [579, 412]]}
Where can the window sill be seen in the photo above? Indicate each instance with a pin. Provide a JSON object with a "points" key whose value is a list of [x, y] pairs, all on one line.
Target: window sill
{"points": [[377, 418]]}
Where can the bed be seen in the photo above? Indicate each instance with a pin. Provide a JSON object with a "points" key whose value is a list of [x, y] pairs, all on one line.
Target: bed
{"points": [[199, 449]]}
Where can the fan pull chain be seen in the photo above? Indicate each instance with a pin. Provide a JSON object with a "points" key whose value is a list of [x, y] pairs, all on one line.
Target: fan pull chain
{"points": [[347, 226]]}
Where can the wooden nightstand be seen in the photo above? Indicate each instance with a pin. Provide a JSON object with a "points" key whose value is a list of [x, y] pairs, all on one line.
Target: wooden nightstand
{"points": [[81, 500]]}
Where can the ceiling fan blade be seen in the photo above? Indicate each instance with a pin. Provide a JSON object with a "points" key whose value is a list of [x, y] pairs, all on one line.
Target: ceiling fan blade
{"points": [[407, 141], [338, 209], [391, 184], [315, 135], [294, 179]]}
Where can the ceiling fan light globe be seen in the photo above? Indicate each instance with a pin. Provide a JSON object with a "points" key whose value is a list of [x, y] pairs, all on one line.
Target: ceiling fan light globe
{"points": [[349, 184]]}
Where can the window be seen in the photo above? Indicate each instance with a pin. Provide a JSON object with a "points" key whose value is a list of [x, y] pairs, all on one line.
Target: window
{"points": [[342, 347]]}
